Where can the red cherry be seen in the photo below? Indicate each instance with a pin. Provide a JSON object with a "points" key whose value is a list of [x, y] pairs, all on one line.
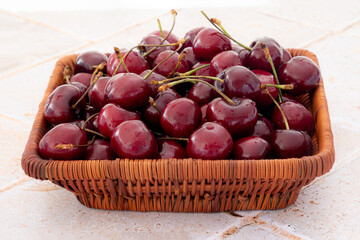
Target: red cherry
{"points": [[203, 71], [87, 61], [251, 148], [153, 40], [153, 77], [201, 93], [100, 150], [190, 36], [223, 61], [97, 95], [134, 62], [169, 65], [83, 78], [190, 57], [263, 128], [263, 100], [170, 149], [203, 112], [172, 38]]}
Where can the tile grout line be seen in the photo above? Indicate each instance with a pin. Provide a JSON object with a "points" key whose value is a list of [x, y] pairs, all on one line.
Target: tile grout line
{"points": [[14, 184], [14, 119]]}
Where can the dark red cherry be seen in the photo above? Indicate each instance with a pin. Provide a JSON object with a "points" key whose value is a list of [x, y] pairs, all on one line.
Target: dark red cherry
{"points": [[154, 40], [203, 71], [297, 116], [263, 128], [238, 119], [243, 55], [190, 57], [128, 90], [80, 86], [239, 82], [180, 117], [236, 48], [132, 139], [288, 97], [251, 148], [209, 42], [87, 61], [203, 112], [190, 36], [170, 149], [302, 72], [111, 116], [97, 95], [201, 93], [210, 141], [83, 78], [223, 61], [65, 133], [172, 38], [291, 144], [286, 56], [167, 67], [153, 77], [99, 150], [134, 62], [58, 106], [263, 100]]}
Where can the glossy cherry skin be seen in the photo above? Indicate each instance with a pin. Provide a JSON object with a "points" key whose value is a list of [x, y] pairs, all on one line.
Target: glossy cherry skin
{"points": [[291, 144], [238, 119], [134, 62], [203, 71], [132, 139], [83, 78], [210, 141], [223, 61], [58, 106], [190, 57], [243, 55], [167, 67], [263, 128], [239, 82], [201, 93], [155, 40], [302, 72], [100, 150], [180, 117], [298, 117], [251, 148], [153, 77], [127, 90], [170, 149], [190, 36], [65, 133], [111, 116], [209, 42], [236, 48], [86, 61], [288, 97], [263, 100], [97, 95], [286, 56], [172, 38], [256, 58]]}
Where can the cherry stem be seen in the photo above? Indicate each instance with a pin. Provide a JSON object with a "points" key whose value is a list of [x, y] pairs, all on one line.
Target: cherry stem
{"points": [[160, 28], [185, 77], [195, 70], [181, 57], [283, 87], [87, 120], [67, 74], [126, 54], [179, 47], [70, 146], [173, 138], [119, 56], [152, 103], [173, 13], [169, 85], [278, 106], [218, 26], [94, 132], [269, 58]]}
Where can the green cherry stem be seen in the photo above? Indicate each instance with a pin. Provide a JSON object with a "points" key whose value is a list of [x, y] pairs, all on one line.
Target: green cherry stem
{"points": [[70, 146], [160, 28], [172, 138], [278, 106], [281, 86], [94, 132], [67, 74], [194, 70], [119, 56], [87, 120]]}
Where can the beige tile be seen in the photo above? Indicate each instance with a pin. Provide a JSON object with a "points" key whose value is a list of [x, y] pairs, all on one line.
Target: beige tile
{"points": [[24, 43], [328, 209], [330, 14]]}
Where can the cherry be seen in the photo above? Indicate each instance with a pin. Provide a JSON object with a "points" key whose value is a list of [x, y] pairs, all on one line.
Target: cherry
{"points": [[97, 95], [291, 144], [99, 150], [210, 141], [154, 40], [170, 149], [251, 148], [203, 71], [190, 57], [132, 139], [302, 72], [128, 90], [243, 55], [263, 128], [153, 77], [58, 106], [203, 112], [67, 134], [237, 48], [209, 42], [180, 117], [239, 82], [80, 86], [238, 119], [190, 36], [83, 78], [297, 116], [87, 61], [286, 56], [134, 62], [223, 61], [111, 116], [168, 67], [172, 38], [288, 97], [263, 100], [201, 93]]}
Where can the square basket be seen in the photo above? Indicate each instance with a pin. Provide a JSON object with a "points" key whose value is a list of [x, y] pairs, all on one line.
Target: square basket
{"points": [[185, 185]]}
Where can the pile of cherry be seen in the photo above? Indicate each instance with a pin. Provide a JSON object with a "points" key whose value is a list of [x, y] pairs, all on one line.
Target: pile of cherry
{"points": [[196, 97]]}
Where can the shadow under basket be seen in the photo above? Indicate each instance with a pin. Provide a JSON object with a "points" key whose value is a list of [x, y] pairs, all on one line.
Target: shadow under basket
{"points": [[185, 185]]}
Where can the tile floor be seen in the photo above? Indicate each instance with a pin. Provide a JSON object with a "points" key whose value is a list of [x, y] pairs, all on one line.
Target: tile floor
{"points": [[30, 44]]}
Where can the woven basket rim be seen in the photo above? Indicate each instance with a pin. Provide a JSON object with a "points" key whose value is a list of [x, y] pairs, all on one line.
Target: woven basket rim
{"points": [[36, 167]]}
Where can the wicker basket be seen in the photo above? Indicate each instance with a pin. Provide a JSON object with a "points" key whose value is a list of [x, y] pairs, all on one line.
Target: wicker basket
{"points": [[185, 185]]}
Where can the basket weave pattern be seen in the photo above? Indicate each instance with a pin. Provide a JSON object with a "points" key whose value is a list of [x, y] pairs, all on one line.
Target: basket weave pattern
{"points": [[185, 185]]}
